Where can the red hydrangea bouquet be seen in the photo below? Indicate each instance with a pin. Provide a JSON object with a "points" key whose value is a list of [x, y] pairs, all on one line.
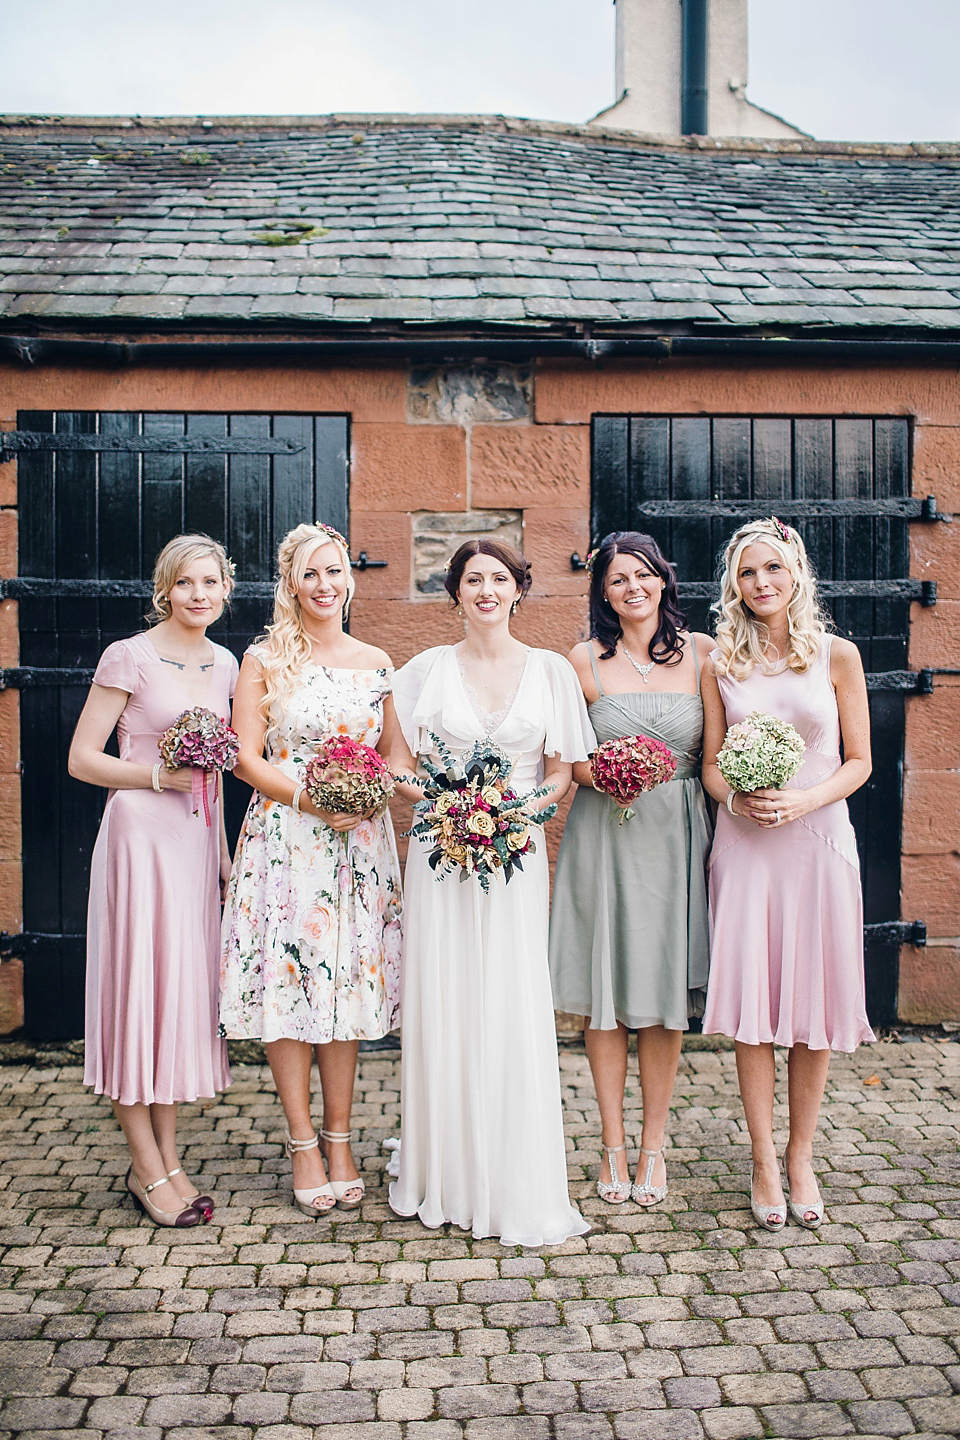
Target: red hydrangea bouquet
{"points": [[347, 777], [201, 740], [630, 766]]}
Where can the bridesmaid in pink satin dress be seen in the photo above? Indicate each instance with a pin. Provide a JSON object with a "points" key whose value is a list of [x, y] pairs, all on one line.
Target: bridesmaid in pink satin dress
{"points": [[153, 924], [785, 903]]}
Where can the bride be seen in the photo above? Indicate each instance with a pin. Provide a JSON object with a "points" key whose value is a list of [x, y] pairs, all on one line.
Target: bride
{"points": [[481, 1127]]}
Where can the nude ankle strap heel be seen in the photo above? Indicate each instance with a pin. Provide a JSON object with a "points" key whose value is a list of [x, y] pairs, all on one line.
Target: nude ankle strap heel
{"points": [[203, 1203], [306, 1198], [342, 1188], [180, 1219]]}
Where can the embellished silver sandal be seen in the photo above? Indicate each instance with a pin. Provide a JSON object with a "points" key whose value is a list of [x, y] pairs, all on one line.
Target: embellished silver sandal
{"points": [[614, 1190], [646, 1193]]}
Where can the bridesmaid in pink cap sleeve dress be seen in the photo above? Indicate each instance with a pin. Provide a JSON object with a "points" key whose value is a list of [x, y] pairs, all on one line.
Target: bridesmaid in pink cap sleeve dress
{"points": [[153, 924], [785, 903]]}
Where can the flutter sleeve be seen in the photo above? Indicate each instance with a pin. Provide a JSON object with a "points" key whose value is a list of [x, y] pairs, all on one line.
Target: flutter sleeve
{"points": [[569, 733], [118, 669], [418, 697]]}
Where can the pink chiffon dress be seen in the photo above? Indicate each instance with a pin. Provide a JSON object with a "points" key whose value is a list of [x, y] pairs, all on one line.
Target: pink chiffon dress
{"points": [[786, 914], [153, 922]]}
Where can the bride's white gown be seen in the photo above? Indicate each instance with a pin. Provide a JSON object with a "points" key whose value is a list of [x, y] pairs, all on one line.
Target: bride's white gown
{"points": [[481, 1125]]}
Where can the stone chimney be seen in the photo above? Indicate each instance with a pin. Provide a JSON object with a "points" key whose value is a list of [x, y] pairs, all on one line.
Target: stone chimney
{"points": [[682, 70]]}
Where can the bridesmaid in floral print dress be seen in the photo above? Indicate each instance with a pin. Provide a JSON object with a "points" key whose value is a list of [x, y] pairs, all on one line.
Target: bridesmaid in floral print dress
{"points": [[311, 930]]}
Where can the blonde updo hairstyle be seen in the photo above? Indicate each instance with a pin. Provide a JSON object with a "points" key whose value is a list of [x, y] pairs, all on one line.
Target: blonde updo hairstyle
{"points": [[170, 564], [285, 649], [742, 638]]}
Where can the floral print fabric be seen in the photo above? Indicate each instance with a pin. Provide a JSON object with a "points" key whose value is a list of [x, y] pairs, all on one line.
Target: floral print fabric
{"points": [[311, 927]]}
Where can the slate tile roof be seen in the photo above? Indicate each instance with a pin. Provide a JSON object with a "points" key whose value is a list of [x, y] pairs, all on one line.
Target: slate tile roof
{"points": [[458, 220]]}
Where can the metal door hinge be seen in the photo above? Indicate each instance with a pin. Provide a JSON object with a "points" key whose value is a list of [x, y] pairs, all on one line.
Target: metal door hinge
{"points": [[19, 442], [29, 941], [899, 932]]}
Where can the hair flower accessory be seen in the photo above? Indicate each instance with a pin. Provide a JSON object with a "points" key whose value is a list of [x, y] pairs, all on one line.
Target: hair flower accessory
{"points": [[334, 534], [782, 530], [591, 557]]}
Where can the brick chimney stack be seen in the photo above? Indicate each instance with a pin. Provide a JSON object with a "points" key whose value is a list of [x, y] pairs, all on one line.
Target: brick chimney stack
{"points": [[681, 69]]}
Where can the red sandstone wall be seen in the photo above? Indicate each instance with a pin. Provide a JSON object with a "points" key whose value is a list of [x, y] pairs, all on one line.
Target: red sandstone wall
{"points": [[540, 465]]}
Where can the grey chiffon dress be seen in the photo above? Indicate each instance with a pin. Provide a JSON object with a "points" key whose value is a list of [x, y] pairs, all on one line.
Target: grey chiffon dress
{"points": [[629, 930]]}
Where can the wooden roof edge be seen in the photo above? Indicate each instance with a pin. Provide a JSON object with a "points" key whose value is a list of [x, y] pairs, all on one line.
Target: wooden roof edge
{"points": [[207, 126]]}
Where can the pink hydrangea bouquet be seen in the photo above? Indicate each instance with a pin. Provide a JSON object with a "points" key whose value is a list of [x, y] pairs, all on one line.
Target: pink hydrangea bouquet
{"points": [[628, 767], [347, 777], [477, 823], [201, 740]]}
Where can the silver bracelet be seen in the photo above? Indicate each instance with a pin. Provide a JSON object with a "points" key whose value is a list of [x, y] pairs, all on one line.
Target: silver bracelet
{"points": [[295, 802], [729, 802], [155, 780]]}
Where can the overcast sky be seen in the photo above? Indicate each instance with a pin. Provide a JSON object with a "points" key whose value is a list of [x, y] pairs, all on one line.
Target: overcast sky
{"points": [[841, 69]]}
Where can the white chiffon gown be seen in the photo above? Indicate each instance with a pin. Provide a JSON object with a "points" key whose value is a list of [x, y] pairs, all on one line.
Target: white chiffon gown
{"points": [[481, 1124]]}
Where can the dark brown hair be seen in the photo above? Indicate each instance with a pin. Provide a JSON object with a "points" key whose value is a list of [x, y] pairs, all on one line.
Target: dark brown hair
{"points": [[510, 558], [665, 648]]}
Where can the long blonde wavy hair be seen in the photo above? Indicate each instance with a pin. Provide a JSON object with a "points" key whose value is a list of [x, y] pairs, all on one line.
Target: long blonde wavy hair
{"points": [[742, 638], [285, 649], [170, 564]]}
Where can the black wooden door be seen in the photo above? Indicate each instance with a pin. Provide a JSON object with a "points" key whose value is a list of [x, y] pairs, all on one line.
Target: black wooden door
{"points": [[691, 480], [99, 495]]}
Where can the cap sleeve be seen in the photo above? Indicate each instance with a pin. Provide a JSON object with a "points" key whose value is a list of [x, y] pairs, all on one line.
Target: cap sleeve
{"points": [[569, 733], [118, 668]]}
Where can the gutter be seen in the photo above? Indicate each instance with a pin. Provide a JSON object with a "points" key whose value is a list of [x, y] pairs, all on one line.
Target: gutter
{"points": [[121, 353]]}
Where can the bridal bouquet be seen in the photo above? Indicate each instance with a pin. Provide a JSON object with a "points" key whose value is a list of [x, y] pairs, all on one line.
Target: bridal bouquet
{"points": [[200, 739], [760, 753], [476, 822], [347, 777], [630, 766]]}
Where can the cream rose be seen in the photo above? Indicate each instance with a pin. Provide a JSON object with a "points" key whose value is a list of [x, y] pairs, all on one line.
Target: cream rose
{"points": [[482, 824]]}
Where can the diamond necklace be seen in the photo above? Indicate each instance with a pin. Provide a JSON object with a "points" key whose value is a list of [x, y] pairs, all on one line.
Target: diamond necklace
{"points": [[642, 670]]}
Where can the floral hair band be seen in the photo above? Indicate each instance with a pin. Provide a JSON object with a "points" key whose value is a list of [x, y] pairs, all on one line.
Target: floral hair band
{"points": [[590, 560], [782, 530], [334, 534]]}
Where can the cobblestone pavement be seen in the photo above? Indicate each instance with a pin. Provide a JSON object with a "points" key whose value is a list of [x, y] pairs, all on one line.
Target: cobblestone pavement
{"points": [[683, 1322]]}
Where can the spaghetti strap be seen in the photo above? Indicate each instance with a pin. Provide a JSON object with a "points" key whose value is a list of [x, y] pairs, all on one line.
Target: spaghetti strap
{"points": [[696, 658], [593, 666]]}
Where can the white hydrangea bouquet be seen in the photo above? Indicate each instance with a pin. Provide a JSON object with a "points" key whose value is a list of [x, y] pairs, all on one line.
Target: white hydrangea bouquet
{"points": [[760, 753]]}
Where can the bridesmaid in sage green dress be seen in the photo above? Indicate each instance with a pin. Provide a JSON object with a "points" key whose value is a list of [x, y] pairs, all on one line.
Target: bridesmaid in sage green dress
{"points": [[628, 932]]}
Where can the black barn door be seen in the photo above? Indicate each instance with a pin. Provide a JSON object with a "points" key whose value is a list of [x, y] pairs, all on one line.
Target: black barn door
{"points": [[691, 480], [99, 495]]}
